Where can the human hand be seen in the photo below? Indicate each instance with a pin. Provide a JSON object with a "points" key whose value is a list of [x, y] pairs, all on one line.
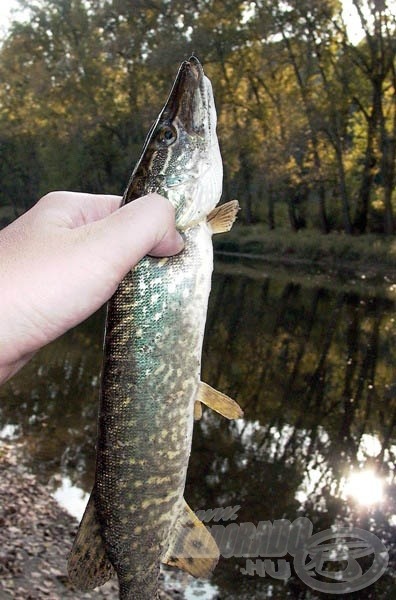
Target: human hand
{"points": [[64, 258]]}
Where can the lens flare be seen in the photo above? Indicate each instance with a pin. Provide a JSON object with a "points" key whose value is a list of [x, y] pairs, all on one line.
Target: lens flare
{"points": [[365, 487]]}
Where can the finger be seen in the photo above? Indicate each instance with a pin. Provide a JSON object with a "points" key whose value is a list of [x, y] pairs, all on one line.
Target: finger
{"points": [[143, 226], [74, 209], [172, 243]]}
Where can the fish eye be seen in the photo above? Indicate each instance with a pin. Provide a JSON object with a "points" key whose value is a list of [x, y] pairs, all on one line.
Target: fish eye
{"points": [[166, 135]]}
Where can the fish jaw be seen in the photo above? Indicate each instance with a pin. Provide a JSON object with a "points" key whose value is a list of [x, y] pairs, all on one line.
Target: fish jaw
{"points": [[181, 157]]}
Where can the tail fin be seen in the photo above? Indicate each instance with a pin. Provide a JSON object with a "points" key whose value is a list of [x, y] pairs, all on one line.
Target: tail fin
{"points": [[88, 565]]}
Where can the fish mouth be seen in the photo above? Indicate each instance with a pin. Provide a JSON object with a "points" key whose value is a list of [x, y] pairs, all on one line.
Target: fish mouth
{"points": [[188, 99]]}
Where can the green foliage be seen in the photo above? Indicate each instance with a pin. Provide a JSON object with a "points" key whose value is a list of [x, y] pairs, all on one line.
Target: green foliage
{"points": [[307, 120]]}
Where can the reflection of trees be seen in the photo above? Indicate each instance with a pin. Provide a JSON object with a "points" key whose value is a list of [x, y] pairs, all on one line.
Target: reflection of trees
{"points": [[53, 401], [280, 348], [313, 371]]}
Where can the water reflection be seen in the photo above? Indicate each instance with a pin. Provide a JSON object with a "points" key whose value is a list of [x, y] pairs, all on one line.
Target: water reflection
{"points": [[71, 497], [311, 364], [365, 487]]}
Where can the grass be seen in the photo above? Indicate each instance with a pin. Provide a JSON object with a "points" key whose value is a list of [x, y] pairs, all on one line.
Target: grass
{"points": [[368, 252]]}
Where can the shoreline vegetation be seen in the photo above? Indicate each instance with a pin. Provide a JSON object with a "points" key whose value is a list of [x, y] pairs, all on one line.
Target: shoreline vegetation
{"points": [[369, 255]]}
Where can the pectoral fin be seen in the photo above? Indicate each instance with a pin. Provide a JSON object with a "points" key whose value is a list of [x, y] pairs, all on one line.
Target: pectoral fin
{"points": [[218, 402], [222, 218], [88, 565], [191, 548]]}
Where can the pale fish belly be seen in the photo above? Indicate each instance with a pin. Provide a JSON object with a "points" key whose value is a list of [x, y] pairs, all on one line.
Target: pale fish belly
{"points": [[151, 373]]}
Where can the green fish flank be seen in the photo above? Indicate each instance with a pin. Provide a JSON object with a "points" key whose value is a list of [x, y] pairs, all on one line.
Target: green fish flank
{"points": [[152, 372]]}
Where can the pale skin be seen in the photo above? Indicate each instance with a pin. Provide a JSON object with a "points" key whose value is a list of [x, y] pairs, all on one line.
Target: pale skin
{"points": [[64, 258]]}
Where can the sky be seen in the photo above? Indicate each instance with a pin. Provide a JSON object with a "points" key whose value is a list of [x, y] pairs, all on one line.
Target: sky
{"points": [[5, 9], [355, 32]]}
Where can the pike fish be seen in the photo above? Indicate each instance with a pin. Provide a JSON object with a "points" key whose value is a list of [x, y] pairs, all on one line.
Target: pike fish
{"points": [[151, 387]]}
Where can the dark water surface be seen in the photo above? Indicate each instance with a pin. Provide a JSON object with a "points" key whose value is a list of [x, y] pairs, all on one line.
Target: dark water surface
{"points": [[311, 359]]}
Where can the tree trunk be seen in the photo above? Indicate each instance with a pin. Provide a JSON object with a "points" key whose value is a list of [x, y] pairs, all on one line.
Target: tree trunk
{"points": [[364, 194], [346, 217], [388, 157], [309, 112], [271, 211]]}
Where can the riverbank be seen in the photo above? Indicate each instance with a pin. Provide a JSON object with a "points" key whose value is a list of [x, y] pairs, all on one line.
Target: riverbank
{"points": [[36, 535], [368, 254]]}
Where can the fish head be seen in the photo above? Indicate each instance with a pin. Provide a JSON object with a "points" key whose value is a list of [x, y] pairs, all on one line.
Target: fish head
{"points": [[181, 157]]}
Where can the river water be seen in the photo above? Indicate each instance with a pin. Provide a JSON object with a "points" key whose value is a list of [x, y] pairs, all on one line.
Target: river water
{"points": [[311, 359]]}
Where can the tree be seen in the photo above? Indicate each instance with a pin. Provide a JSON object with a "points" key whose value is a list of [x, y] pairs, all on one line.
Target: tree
{"points": [[306, 120], [374, 58]]}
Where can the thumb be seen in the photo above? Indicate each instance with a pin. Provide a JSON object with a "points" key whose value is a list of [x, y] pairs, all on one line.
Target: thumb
{"points": [[144, 226]]}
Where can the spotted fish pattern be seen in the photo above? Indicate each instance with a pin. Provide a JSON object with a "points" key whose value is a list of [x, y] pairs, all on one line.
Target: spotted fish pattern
{"points": [[152, 372]]}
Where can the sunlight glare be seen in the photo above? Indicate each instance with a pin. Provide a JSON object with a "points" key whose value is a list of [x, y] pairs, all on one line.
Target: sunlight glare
{"points": [[365, 487]]}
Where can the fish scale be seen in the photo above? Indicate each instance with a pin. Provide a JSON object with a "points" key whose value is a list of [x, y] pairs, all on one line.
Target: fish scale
{"points": [[168, 343], [137, 517]]}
